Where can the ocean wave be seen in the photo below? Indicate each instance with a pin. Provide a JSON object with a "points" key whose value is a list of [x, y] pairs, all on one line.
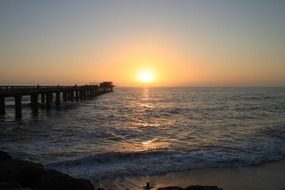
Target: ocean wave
{"points": [[115, 164], [187, 129]]}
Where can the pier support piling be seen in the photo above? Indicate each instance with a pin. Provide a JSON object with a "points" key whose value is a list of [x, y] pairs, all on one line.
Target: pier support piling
{"points": [[84, 94], [34, 103], [68, 96], [48, 100], [51, 97], [2, 105], [71, 95], [64, 97], [77, 95], [57, 99], [80, 95], [43, 98], [18, 106], [88, 93]]}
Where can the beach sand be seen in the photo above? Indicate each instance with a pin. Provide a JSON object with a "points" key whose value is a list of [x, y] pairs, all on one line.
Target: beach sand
{"points": [[269, 176]]}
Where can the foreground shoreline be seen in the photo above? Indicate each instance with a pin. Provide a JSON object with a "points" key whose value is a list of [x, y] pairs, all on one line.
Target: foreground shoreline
{"points": [[21, 174], [25, 175], [16, 174], [267, 176]]}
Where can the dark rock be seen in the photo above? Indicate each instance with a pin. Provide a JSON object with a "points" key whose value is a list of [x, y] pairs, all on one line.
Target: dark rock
{"points": [[58, 181], [9, 184], [170, 188], [4, 156], [26, 173], [19, 173], [194, 187], [198, 187]]}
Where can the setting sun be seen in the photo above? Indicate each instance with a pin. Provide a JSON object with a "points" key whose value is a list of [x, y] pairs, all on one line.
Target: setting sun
{"points": [[146, 76]]}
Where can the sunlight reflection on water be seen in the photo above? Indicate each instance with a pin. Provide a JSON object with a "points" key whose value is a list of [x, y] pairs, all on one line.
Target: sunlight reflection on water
{"points": [[152, 130]]}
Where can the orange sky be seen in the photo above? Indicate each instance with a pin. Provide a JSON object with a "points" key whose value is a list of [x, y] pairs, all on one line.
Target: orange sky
{"points": [[181, 43]]}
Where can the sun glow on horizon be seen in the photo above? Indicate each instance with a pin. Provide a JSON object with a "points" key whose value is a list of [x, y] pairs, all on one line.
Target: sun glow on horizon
{"points": [[146, 76]]}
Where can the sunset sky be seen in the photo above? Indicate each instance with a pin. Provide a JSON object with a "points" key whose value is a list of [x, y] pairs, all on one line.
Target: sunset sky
{"points": [[158, 42]]}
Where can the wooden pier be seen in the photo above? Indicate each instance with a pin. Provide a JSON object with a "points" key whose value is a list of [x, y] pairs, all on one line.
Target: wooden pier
{"points": [[46, 94]]}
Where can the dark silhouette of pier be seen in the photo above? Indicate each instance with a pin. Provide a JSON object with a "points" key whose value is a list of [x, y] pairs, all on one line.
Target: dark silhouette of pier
{"points": [[46, 94]]}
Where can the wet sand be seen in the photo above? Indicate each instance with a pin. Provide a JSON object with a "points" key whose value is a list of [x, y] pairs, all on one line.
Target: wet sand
{"points": [[269, 176]]}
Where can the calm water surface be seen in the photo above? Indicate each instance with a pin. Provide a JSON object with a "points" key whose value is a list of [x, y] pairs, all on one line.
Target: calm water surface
{"points": [[145, 131]]}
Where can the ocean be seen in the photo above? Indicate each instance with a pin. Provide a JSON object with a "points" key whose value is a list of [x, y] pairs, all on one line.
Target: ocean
{"points": [[148, 131]]}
